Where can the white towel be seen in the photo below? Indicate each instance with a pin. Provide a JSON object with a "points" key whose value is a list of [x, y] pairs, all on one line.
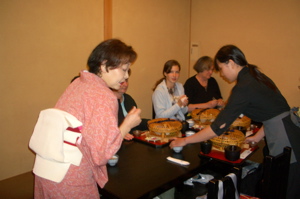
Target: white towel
{"points": [[53, 156], [234, 180]]}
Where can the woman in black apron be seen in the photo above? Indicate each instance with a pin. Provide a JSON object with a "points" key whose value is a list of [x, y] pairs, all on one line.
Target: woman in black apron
{"points": [[256, 96]]}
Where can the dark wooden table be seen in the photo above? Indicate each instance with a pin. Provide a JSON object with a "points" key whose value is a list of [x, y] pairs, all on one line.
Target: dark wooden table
{"points": [[144, 172]]}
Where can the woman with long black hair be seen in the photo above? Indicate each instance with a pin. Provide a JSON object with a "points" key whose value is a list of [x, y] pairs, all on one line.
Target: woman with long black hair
{"points": [[256, 96]]}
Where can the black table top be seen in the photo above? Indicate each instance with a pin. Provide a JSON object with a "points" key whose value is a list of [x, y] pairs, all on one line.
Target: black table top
{"points": [[144, 172]]}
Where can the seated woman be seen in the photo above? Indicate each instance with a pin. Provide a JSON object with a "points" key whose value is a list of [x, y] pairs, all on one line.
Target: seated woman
{"points": [[202, 89], [168, 98], [126, 103]]}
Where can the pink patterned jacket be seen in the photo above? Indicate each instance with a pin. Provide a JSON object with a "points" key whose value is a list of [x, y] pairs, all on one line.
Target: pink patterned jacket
{"points": [[90, 100]]}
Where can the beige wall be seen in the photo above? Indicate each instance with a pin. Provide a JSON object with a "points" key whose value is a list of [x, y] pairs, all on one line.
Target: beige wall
{"points": [[158, 31], [266, 31], [45, 43]]}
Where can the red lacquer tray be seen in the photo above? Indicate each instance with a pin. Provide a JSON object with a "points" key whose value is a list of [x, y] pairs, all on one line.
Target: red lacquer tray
{"points": [[154, 143], [220, 156]]}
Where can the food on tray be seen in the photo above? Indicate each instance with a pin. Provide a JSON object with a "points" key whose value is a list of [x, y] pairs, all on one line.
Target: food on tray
{"points": [[205, 115], [164, 128], [232, 137], [198, 127], [153, 139], [243, 121]]}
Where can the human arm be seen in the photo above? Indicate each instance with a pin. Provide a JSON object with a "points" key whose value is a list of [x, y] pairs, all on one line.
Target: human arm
{"points": [[131, 120], [205, 134], [96, 107], [128, 103], [162, 104], [199, 97], [257, 137], [183, 101], [128, 137], [209, 104], [220, 103]]}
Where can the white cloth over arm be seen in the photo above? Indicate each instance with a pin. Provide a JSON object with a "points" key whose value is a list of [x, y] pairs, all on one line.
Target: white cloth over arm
{"points": [[55, 144]]}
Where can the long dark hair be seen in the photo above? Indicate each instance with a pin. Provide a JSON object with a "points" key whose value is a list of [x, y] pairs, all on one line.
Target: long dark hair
{"points": [[167, 69], [112, 53], [235, 54]]}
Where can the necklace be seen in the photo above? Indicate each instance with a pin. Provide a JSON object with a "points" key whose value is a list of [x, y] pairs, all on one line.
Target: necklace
{"points": [[171, 91]]}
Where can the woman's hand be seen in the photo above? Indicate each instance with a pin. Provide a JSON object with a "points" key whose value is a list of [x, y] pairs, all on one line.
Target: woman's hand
{"points": [[220, 103], [128, 137], [205, 134], [250, 139], [131, 120], [212, 103], [257, 137], [177, 142], [183, 101]]}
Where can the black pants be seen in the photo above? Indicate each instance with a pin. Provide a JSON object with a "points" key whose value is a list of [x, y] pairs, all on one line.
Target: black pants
{"points": [[293, 190]]}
